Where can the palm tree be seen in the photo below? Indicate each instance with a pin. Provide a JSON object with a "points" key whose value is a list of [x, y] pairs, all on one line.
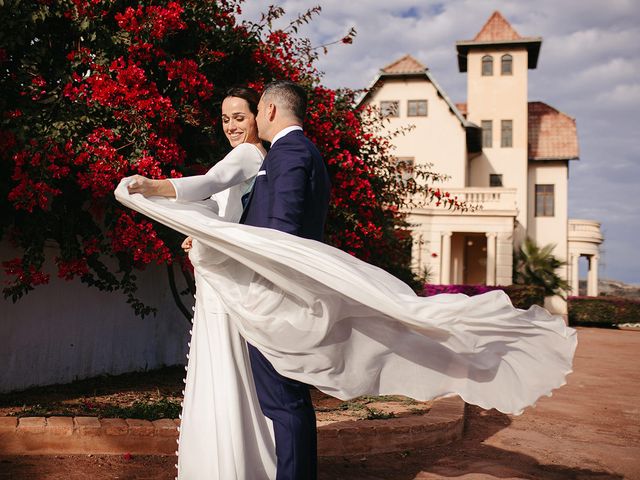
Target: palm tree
{"points": [[533, 265]]}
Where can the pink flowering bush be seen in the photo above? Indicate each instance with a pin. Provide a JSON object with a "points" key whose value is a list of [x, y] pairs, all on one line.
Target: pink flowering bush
{"points": [[522, 296]]}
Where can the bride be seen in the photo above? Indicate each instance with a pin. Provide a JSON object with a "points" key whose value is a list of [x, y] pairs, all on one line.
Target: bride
{"points": [[325, 318], [223, 433]]}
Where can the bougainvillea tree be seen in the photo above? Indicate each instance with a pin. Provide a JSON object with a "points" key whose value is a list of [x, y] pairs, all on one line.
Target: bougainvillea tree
{"points": [[94, 90]]}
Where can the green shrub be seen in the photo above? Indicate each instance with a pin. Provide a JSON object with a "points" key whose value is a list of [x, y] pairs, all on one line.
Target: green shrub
{"points": [[603, 311], [524, 296], [145, 410]]}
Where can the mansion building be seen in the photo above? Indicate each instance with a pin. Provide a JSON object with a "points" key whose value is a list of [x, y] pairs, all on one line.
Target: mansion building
{"points": [[501, 151]]}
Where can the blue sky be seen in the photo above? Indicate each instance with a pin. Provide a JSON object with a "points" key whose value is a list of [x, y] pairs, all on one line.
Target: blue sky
{"points": [[589, 68]]}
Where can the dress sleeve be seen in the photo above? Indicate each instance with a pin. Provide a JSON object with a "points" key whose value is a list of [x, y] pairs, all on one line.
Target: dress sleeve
{"points": [[239, 165]]}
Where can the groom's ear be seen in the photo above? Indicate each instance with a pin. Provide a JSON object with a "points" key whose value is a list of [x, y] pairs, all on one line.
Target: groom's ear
{"points": [[271, 111]]}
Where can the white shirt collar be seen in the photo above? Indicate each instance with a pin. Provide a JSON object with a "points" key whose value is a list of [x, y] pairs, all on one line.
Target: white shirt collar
{"points": [[283, 132]]}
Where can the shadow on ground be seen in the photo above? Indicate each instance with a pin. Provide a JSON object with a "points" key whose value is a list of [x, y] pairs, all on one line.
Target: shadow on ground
{"points": [[469, 458]]}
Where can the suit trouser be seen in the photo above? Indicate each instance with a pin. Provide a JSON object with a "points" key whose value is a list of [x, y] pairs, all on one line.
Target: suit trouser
{"points": [[288, 404]]}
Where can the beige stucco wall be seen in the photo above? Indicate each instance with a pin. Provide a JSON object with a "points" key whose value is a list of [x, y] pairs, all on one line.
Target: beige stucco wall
{"points": [[500, 97], [546, 230], [439, 138]]}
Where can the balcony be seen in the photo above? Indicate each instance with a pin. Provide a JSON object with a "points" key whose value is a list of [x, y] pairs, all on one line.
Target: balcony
{"points": [[489, 200], [585, 231]]}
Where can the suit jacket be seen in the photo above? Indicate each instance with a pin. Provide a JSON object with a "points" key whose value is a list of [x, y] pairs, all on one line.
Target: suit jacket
{"points": [[291, 191]]}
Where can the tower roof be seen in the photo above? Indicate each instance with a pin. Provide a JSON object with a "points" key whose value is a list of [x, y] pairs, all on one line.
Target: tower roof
{"points": [[497, 28], [498, 32], [406, 64]]}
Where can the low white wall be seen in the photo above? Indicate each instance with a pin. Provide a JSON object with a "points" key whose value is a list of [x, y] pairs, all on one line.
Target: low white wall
{"points": [[66, 331]]}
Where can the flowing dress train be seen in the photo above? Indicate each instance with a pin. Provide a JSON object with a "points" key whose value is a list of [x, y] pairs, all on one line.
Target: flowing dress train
{"points": [[325, 318]]}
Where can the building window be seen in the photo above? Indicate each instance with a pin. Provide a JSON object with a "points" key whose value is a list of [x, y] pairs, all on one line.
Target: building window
{"points": [[487, 133], [544, 200], [495, 180], [417, 108], [506, 64], [487, 66], [390, 109], [506, 137], [405, 168]]}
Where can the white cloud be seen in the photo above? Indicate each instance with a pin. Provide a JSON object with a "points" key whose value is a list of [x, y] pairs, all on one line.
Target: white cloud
{"points": [[623, 95]]}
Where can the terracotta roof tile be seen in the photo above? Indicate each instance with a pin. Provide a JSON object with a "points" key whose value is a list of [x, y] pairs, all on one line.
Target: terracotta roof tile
{"points": [[462, 107], [552, 134], [406, 64], [497, 28]]}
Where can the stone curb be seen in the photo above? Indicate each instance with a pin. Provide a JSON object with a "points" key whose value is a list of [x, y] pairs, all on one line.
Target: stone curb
{"points": [[443, 424]]}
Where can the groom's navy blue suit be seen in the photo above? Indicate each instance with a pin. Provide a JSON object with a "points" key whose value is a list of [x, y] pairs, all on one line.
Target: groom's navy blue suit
{"points": [[290, 194]]}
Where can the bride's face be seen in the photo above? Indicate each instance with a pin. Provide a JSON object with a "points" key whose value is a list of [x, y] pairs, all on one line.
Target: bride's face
{"points": [[238, 122]]}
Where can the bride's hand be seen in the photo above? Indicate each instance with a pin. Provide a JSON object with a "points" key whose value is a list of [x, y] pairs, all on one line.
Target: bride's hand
{"points": [[187, 244], [143, 185]]}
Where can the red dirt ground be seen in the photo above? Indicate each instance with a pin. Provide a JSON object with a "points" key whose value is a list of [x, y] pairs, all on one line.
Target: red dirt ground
{"points": [[588, 430]]}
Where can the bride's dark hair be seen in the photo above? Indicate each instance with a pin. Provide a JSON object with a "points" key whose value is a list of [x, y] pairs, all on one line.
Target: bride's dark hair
{"points": [[248, 94]]}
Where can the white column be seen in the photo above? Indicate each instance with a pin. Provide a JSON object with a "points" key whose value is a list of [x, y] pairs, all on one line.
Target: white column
{"points": [[504, 258], [445, 258], [592, 280], [491, 258], [575, 274]]}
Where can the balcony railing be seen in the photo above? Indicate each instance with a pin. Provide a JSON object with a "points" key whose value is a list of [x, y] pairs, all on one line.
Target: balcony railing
{"points": [[585, 231], [486, 199]]}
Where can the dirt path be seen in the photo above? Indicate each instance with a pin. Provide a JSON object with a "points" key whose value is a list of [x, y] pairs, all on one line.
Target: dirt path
{"points": [[589, 429]]}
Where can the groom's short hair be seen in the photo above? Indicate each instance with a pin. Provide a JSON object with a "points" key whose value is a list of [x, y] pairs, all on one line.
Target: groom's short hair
{"points": [[289, 95]]}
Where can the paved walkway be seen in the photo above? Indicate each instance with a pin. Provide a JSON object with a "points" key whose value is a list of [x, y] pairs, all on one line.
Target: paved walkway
{"points": [[589, 429]]}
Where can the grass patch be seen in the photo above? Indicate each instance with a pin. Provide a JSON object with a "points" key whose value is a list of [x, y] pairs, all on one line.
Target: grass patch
{"points": [[375, 414]]}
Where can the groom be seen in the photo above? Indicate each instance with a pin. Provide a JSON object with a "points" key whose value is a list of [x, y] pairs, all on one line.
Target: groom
{"points": [[290, 194]]}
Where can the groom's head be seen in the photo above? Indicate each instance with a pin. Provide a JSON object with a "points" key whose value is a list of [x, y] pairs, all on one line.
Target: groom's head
{"points": [[282, 105]]}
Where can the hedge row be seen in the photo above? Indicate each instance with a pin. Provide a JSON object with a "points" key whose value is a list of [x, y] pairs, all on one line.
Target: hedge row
{"points": [[522, 296], [603, 311]]}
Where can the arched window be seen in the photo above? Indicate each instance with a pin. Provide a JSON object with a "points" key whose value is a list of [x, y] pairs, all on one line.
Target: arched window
{"points": [[487, 66], [507, 64]]}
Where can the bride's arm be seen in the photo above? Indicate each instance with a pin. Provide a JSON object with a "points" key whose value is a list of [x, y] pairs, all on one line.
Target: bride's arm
{"points": [[240, 164], [150, 187]]}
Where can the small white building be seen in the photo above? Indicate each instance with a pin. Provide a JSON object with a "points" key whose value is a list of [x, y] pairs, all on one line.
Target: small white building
{"points": [[500, 150]]}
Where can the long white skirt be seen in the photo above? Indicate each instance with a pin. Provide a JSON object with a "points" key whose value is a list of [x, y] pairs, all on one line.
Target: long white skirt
{"points": [[325, 318], [223, 433]]}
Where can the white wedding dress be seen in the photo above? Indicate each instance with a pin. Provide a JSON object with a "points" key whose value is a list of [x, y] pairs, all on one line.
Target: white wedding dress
{"points": [[223, 433], [325, 318]]}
